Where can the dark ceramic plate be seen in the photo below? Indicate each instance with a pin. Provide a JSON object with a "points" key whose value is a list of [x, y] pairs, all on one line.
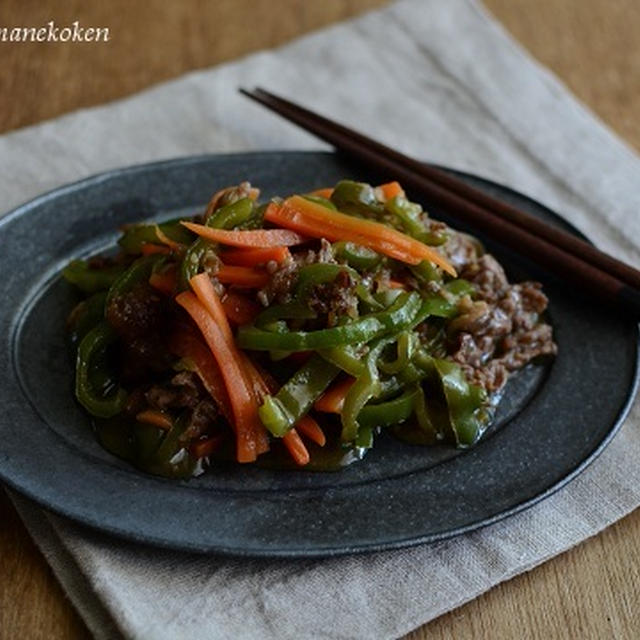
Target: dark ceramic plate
{"points": [[552, 422]]}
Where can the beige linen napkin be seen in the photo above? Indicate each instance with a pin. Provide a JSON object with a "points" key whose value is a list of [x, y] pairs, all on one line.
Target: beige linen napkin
{"points": [[438, 80]]}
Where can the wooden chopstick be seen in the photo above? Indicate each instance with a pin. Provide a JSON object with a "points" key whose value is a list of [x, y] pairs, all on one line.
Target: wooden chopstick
{"points": [[560, 238], [569, 258]]}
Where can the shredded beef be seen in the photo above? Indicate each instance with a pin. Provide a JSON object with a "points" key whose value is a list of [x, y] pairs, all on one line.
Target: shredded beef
{"points": [[280, 285], [479, 318], [331, 300], [184, 391], [139, 318], [488, 276], [461, 249], [502, 329], [523, 346], [203, 417], [335, 299], [135, 313], [285, 276]]}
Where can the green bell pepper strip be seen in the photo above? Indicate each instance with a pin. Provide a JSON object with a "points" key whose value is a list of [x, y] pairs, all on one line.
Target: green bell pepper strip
{"points": [[425, 423], [256, 219], [325, 202], [465, 402], [146, 440], [164, 453], [137, 235], [386, 414], [192, 261], [356, 198], [409, 215], [416, 370], [231, 215], [368, 301], [425, 271], [364, 439], [460, 287], [442, 307], [438, 306], [392, 385], [366, 386], [452, 401], [350, 361], [88, 280], [356, 256], [280, 412], [277, 326], [85, 316], [92, 377], [290, 311], [410, 375], [345, 357], [405, 346], [139, 271], [453, 408], [366, 328], [386, 297]]}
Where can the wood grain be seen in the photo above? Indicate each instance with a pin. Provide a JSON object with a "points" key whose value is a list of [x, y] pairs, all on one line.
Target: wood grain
{"points": [[593, 591]]}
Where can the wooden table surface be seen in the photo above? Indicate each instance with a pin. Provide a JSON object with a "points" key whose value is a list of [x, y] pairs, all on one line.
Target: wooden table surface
{"points": [[591, 591]]}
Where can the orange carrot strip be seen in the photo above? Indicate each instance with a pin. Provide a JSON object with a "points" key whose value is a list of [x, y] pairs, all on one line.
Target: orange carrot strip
{"points": [[391, 190], [253, 238], [332, 400], [203, 288], [307, 426], [204, 448], [313, 219], [240, 309], [296, 447], [261, 387], [186, 344], [253, 257], [261, 384], [249, 277], [264, 384], [323, 193], [155, 418], [243, 403], [164, 281], [148, 248]]}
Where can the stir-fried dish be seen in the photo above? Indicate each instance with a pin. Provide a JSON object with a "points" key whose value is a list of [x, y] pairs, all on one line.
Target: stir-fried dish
{"points": [[294, 332]]}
